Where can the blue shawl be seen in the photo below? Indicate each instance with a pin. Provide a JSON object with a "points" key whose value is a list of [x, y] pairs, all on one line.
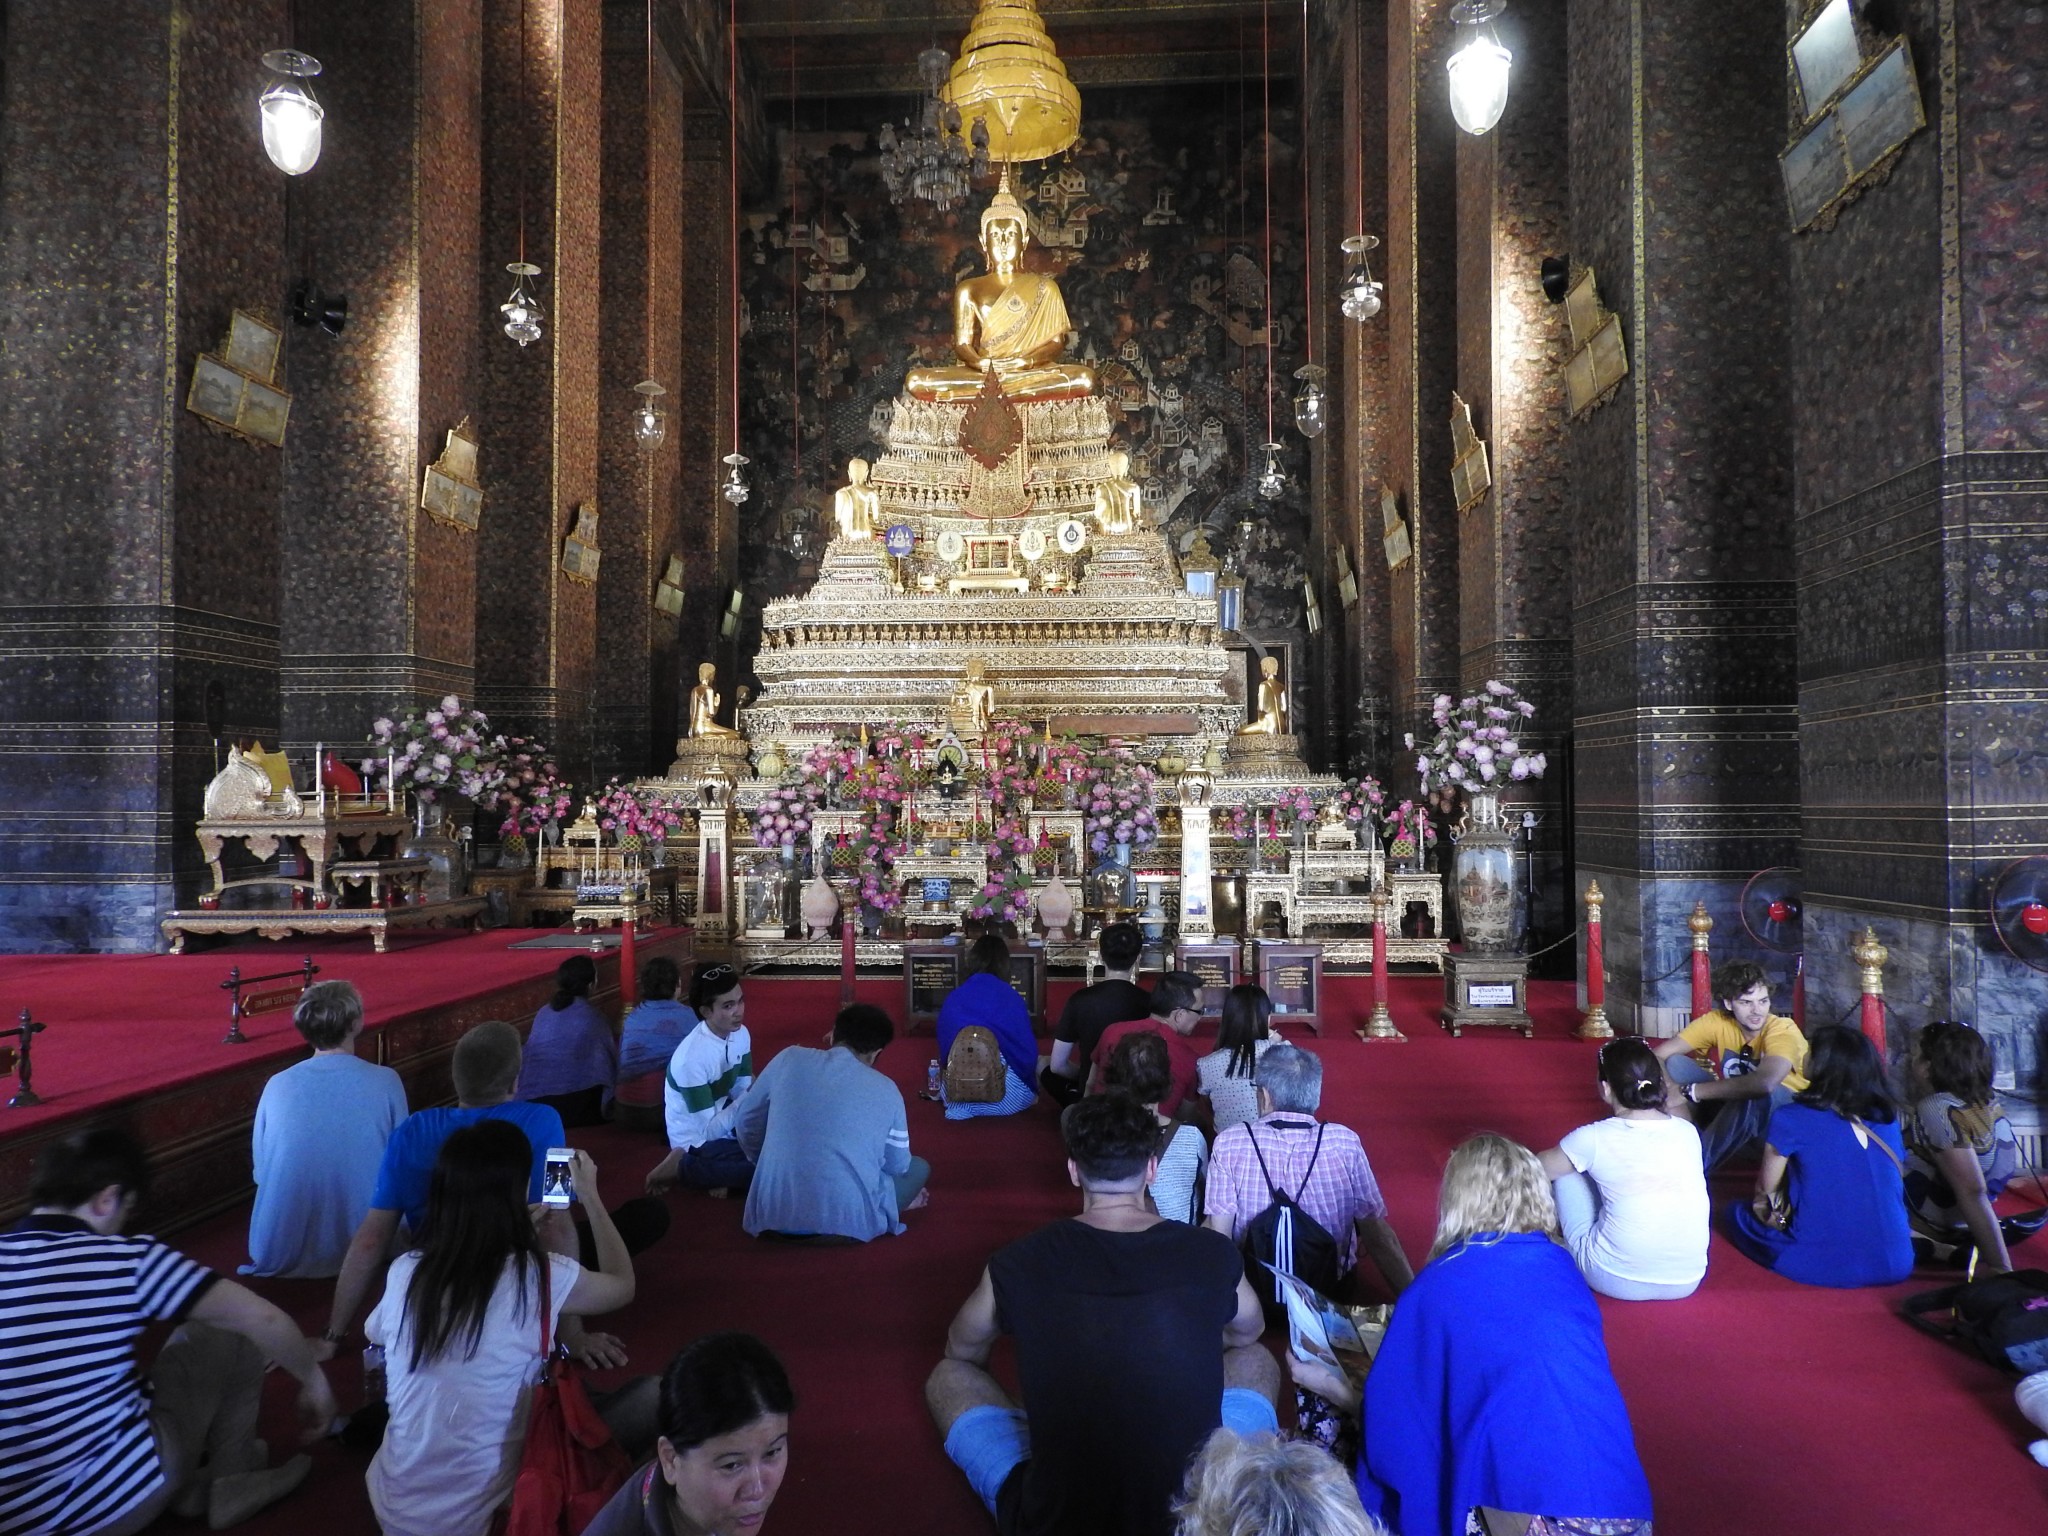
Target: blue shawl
{"points": [[1492, 1387], [993, 1003]]}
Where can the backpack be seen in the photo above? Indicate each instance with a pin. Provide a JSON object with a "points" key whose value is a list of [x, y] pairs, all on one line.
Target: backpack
{"points": [[974, 1067], [1288, 1238], [2003, 1318]]}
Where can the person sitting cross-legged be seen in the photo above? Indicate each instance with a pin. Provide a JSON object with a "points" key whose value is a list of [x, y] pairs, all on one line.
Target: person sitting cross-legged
{"points": [[829, 1138], [321, 1127], [88, 1447], [1138, 1067], [1136, 1337], [648, 1037], [1115, 999], [1318, 1164], [1229, 1073], [708, 1076], [1176, 1010], [1961, 1151], [571, 1062], [985, 997], [1761, 1060]]}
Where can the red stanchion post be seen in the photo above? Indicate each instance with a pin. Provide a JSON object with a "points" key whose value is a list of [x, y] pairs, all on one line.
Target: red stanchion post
{"points": [[1702, 962], [1595, 1026], [629, 966], [849, 927], [1870, 957], [1381, 1025], [1799, 992]]}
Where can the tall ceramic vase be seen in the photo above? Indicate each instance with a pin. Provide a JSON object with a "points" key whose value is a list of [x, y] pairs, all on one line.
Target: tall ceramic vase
{"points": [[1486, 879]]}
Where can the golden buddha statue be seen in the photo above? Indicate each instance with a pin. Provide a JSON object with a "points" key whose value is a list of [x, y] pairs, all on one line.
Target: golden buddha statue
{"points": [[855, 505], [1271, 719], [1118, 502], [974, 702], [704, 705], [1006, 322]]}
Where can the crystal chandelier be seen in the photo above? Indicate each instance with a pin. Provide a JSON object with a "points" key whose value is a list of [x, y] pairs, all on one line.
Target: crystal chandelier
{"points": [[933, 163], [522, 311], [1309, 400], [1359, 295]]}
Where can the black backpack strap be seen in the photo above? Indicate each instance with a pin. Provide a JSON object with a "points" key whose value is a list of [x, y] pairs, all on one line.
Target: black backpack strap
{"points": [[1919, 1310], [1273, 1191], [1314, 1153]]}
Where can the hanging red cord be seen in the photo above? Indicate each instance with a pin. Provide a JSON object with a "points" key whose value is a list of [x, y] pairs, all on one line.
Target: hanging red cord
{"points": [[1266, 36], [732, 162], [1308, 287], [524, 117], [796, 404]]}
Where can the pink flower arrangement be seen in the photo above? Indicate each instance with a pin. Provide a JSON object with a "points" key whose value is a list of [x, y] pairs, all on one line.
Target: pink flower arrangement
{"points": [[1476, 747], [1360, 801], [783, 817], [627, 811], [1411, 821], [1231, 821], [438, 751], [1117, 802], [1294, 806], [534, 792]]}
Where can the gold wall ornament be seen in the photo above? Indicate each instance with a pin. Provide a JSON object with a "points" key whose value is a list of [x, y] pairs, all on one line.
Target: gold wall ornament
{"points": [[450, 489], [580, 553], [1471, 476], [1394, 529], [1010, 76], [1599, 357], [235, 388]]}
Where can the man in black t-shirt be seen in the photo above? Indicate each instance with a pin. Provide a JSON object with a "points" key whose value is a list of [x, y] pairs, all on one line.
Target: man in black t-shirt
{"points": [[1112, 1000], [1135, 1337]]}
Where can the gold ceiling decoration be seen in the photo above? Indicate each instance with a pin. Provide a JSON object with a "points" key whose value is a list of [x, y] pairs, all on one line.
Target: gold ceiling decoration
{"points": [[1009, 76]]}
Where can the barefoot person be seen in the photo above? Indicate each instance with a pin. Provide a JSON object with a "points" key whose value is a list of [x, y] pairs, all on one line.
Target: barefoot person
{"points": [[1758, 1056]]}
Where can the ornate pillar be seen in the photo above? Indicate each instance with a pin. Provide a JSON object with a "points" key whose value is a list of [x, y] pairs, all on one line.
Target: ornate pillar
{"points": [[1684, 759], [1922, 452], [536, 623]]}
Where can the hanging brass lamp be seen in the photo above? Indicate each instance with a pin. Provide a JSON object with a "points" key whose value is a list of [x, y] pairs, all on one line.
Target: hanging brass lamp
{"points": [[1009, 76]]}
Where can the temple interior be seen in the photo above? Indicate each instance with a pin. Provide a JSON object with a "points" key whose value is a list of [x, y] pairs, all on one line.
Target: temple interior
{"points": [[926, 464]]}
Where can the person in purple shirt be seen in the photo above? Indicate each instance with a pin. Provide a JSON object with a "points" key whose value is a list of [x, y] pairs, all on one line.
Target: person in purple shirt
{"points": [[571, 1062]]}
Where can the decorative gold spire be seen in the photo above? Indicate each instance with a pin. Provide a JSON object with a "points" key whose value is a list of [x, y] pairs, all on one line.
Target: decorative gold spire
{"points": [[1009, 76]]}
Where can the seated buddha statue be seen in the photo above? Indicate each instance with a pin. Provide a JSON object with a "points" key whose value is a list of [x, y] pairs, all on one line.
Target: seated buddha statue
{"points": [[704, 703], [1118, 501], [1006, 322], [1271, 719]]}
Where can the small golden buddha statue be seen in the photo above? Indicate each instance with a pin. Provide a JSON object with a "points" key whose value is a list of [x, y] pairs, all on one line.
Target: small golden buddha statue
{"points": [[855, 505], [1006, 322], [704, 705], [1118, 501], [974, 702], [1272, 718]]}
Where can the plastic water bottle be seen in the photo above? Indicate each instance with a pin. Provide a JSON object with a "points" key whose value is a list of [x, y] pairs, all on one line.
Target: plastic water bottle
{"points": [[373, 1373], [934, 1079]]}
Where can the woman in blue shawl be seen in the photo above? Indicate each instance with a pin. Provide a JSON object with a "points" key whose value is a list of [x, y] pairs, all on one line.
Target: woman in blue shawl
{"points": [[985, 997], [1491, 1389]]}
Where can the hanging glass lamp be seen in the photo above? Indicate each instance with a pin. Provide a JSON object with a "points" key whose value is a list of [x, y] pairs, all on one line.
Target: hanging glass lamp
{"points": [[1310, 402], [650, 422], [291, 113], [1273, 478], [1479, 67], [1359, 296], [522, 312], [735, 483]]}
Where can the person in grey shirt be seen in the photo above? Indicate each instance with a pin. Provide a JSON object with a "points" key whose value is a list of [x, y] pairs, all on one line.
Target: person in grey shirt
{"points": [[829, 1139]]}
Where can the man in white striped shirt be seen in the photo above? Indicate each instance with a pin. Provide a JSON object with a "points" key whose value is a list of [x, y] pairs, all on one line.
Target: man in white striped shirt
{"points": [[86, 1447]]}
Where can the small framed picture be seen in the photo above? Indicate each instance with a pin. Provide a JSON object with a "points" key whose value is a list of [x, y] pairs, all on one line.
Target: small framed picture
{"points": [[265, 409], [1816, 171], [1582, 307], [1825, 55], [216, 391], [1881, 111], [252, 346]]}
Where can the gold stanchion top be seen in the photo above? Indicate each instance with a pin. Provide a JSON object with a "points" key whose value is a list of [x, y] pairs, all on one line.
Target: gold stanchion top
{"points": [[1700, 924], [1870, 957], [1594, 898]]}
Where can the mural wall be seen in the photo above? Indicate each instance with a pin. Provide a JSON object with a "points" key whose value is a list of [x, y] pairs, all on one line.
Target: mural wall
{"points": [[1155, 223]]}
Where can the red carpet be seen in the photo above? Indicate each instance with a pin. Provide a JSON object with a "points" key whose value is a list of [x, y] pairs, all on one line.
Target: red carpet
{"points": [[1759, 1406]]}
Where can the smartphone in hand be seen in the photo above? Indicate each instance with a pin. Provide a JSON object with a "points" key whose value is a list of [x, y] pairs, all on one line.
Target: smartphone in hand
{"points": [[557, 1183]]}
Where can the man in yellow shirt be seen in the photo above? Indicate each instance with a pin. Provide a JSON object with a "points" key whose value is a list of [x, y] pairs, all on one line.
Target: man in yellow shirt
{"points": [[1758, 1060]]}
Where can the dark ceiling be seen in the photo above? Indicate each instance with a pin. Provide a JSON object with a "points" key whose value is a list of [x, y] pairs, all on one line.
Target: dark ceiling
{"points": [[870, 47]]}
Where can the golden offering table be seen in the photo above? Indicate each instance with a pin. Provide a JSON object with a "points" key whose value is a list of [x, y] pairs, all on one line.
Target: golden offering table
{"points": [[318, 832], [391, 882], [378, 922]]}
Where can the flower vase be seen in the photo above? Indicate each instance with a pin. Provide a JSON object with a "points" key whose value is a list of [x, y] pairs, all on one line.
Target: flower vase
{"points": [[1111, 886], [1402, 851], [871, 920], [435, 823], [1486, 880]]}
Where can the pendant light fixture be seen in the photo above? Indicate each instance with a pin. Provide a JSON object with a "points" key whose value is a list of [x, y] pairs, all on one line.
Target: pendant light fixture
{"points": [[291, 114], [522, 311], [650, 422], [735, 482], [1272, 479], [1360, 296], [1478, 67], [1310, 401]]}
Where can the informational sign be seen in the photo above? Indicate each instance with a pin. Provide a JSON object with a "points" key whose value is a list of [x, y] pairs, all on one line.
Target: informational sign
{"points": [[1292, 975], [1216, 965], [899, 540], [930, 972], [1490, 994]]}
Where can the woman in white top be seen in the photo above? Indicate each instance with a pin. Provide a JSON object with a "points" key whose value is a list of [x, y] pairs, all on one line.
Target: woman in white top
{"points": [[460, 1328], [1631, 1190], [1141, 1067], [1241, 1039]]}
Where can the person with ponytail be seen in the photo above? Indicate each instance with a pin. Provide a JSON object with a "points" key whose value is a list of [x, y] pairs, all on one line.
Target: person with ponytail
{"points": [[460, 1326], [572, 1061], [1631, 1191]]}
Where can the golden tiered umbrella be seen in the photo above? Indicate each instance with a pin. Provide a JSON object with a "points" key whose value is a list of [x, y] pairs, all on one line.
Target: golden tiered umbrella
{"points": [[1009, 76]]}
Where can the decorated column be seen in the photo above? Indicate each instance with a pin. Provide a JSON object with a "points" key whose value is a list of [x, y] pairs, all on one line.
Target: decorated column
{"points": [[1197, 921]]}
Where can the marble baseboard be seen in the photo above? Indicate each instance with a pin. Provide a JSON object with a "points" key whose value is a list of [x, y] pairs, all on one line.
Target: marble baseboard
{"points": [[80, 917]]}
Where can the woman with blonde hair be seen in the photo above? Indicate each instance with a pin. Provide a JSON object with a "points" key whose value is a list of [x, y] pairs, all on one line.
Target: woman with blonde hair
{"points": [[1261, 1485], [1492, 1389]]}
